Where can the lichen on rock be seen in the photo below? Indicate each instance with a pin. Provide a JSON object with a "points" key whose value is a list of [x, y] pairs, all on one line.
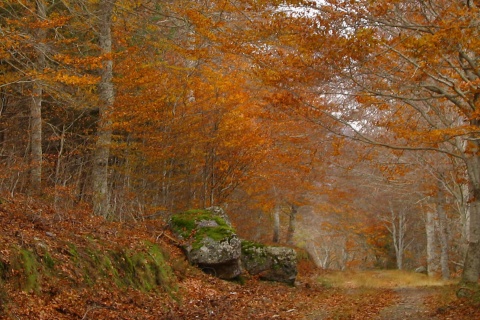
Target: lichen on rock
{"points": [[270, 263], [210, 241]]}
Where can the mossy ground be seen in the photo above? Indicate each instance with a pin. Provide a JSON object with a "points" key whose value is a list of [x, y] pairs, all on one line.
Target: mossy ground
{"points": [[145, 269]]}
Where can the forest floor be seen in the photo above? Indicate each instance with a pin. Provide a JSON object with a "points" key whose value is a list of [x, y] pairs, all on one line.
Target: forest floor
{"points": [[70, 265]]}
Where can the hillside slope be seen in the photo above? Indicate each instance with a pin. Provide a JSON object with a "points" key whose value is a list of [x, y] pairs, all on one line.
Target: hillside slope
{"points": [[71, 265]]}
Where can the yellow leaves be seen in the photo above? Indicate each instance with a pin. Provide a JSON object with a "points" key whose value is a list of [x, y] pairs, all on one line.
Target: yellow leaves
{"points": [[51, 23], [91, 63], [70, 79]]}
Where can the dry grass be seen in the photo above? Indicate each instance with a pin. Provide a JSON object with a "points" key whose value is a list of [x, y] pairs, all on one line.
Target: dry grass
{"points": [[379, 279]]}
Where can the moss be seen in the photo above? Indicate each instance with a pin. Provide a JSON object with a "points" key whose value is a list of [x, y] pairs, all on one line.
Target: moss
{"points": [[48, 260], [3, 270], [27, 267], [144, 270], [185, 224], [248, 246], [253, 257], [73, 251]]}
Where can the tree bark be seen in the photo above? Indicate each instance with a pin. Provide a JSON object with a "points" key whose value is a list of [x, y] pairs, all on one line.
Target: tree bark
{"points": [[432, 256], [443, 234], [36, 152], [292, 223], [276, 225], [471, 267], [106, 93]]}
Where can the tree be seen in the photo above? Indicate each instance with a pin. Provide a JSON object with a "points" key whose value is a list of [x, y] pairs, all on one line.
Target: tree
{"points": [[408, 75], [36, 105], [106, 99]]}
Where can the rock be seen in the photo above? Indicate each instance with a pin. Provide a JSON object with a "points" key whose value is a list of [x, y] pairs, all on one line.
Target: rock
{"points": [[210, 241], [421, 269], [271, 263]]}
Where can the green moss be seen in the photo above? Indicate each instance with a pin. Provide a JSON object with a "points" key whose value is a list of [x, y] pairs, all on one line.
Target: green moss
{"points": [[3, 270], [144, 269], [185, 224], [73, 251], [27, 267], [48, 260], [248, 246]]}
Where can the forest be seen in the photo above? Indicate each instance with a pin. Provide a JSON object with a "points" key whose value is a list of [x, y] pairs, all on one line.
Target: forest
{"points": [[346, 128]]}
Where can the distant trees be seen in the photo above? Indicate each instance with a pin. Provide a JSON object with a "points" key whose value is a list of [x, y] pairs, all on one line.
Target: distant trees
{"points": [[401, 75]]}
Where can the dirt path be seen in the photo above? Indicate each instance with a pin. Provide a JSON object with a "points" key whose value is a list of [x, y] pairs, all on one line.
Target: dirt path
{"points": [[409, 306], [380, 304]]}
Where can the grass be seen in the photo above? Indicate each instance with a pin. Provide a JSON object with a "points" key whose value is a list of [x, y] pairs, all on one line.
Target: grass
{"points": [[379, 279]]}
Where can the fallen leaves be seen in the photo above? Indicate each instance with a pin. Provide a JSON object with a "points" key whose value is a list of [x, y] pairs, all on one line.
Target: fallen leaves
{"points": [[30, 226]]}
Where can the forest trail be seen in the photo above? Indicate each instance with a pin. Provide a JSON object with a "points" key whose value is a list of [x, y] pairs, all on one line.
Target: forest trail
{"points": [[410, 305], [380, 304], [384, 295]]}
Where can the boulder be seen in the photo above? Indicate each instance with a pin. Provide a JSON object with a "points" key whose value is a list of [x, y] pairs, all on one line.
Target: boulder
{"points": [[421, 269], [270, 263], [209, 241]]}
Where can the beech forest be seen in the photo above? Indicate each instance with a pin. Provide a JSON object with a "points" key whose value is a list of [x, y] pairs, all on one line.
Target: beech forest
{"points": [[348, 130]]}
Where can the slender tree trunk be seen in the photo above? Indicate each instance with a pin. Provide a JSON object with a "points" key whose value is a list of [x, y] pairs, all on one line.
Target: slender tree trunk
{"points": [[312, 251], [393, 227], [292, 224], [443, 234], [36, 152], [432, 257], [107, 95], [56, 201], [276, 225], [400, 242]]}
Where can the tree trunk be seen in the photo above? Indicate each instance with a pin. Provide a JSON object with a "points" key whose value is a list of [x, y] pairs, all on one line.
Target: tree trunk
{"points": [[443, 234], [312, 251], [276, 225], [36, 153], [432, 257], [56, 201], [104, 131], [397, 227], [292, 223], [471, 267]]}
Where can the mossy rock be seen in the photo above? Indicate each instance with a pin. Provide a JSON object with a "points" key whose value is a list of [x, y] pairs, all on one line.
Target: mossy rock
{"points": [[270, 263], [196, 225], [210, 241]]}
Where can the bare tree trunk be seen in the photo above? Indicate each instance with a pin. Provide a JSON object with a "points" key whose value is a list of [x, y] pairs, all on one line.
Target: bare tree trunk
{"points": [[292, 223], [312, 251], [471, 267], [56, 201], [276, 225], [107, 96], [400, 242], [397, 226], [443, 234], [432, 257], [36, 153]]}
